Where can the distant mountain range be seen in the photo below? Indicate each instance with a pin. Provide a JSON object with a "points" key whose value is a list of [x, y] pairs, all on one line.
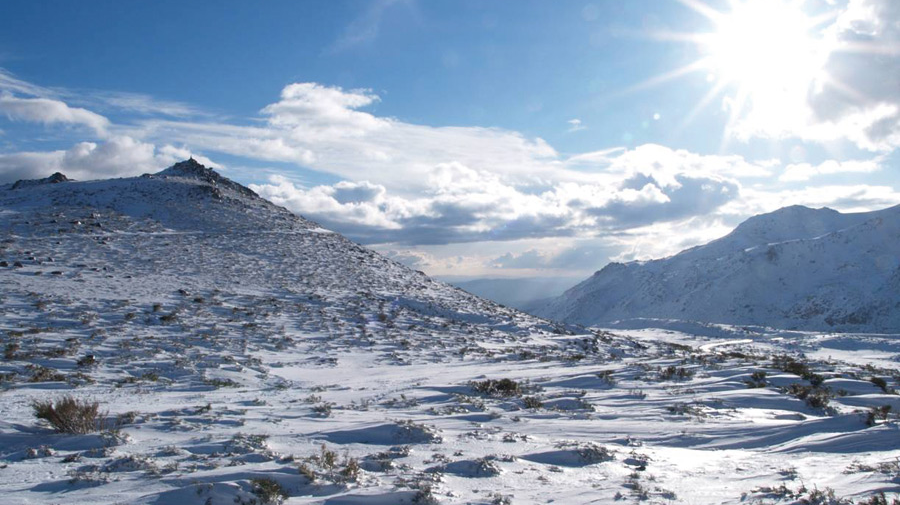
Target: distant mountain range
{"points": [[795, 268], [519, 293]]}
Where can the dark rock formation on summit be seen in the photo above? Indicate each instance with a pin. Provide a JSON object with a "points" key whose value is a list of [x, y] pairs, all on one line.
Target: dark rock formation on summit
{"points": [[56, 178], [192, 169]]}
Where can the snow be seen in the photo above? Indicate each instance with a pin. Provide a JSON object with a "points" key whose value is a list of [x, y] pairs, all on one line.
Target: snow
{"points": [[233, 341], [796, 268]]}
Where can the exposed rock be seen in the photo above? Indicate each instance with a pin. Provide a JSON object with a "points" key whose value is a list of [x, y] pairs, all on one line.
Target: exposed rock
{"points": [[192, 169], [56, 178]]}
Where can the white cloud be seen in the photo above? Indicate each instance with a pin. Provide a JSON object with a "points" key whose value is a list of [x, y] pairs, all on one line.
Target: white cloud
{"points": [[844, 198], [48, 111], [311, 108], [642, 200], [462, 204], [563, 257], [408, 185], [252, 142], [321, 128], [576, 125], [12, 84], [345, 203], [120, 101], [411, 258], [116, 157], [806, 171], [141, 103], [664, 163], [582, 255]]}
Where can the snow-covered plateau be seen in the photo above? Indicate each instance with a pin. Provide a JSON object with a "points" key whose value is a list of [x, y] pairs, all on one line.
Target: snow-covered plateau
{"points": [[238, 353]]}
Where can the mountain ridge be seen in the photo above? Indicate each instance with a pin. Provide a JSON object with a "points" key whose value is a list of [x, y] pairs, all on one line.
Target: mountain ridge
{"points": [[795, 268]]}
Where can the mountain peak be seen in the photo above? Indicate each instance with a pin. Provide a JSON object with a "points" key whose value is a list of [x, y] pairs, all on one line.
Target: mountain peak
{"points": [[802, 211], [790, 223], [796, 267], [190, 168], [193, 169], [56, 178]]}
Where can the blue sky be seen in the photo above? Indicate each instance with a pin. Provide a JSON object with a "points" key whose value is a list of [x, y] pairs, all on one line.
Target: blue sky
{"points": [[505, 138]]}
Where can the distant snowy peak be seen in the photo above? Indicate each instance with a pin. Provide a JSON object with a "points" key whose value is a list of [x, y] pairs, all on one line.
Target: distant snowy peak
{"points": [[813, 269], [56, 178], [783, 225], [792, 223], [192, 169]]}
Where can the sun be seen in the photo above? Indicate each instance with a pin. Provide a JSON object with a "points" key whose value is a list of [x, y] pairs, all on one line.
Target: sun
{"points": [[765, 56], [767, 53], [765, 47]]}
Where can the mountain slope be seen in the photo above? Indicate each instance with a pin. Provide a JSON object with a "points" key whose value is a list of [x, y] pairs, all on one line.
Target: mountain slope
{"points": [[189, 228], [795, 268], [244, 354]]}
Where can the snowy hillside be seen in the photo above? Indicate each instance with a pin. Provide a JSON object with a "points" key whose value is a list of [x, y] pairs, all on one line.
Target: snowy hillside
{"points": [[189, 228], [795, 268], [239, 354]]}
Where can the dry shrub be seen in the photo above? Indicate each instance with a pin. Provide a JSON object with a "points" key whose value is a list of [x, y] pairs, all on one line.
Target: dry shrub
{"points": [[70, 415]]}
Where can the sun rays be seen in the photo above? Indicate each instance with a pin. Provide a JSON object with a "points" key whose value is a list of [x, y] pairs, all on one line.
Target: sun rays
{"points": [[763, 60]]}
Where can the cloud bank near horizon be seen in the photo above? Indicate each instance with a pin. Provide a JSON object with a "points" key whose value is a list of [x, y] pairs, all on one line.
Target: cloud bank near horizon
{"points": [[412, 186]]}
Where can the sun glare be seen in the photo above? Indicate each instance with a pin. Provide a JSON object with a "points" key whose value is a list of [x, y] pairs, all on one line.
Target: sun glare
{"points": [[765, 51], [764, 46], [764, 56]]}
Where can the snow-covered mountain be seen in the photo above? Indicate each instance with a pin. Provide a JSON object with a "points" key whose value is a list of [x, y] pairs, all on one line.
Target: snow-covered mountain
{"points": [[795, 268], [189, 228], [220, 350]]}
